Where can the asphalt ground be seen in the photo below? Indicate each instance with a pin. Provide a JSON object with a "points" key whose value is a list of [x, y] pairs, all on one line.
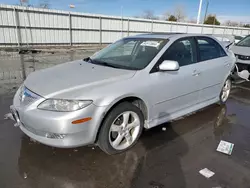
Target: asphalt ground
{"points": [[168, 156]]}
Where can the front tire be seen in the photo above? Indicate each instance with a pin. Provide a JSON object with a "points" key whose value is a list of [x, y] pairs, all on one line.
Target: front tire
{"points": [[224, 95], [121, 128]]}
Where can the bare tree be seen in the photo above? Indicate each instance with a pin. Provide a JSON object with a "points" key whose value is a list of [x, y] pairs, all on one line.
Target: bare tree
{"points": [[148, 14], [24, 2], [232, 23], [44, 4], [180, 13], [166, 15], [192, 20]]}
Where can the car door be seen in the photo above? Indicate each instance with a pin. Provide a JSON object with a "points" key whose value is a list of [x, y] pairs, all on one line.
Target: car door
{"points": [[214, 66], [174, 91]]}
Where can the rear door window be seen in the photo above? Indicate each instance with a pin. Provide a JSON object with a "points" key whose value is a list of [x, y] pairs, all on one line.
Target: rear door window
{"points": [[209, 49]]}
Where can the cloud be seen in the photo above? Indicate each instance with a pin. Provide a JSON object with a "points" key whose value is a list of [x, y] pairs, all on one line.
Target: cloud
{"points": [[243, 19]]}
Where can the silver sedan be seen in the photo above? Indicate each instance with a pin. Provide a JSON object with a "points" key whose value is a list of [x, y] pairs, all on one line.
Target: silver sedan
{"points": [[137, 82]]}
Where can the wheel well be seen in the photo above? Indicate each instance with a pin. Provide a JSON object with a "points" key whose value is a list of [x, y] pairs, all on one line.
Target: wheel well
{"points": [[134, 100]]}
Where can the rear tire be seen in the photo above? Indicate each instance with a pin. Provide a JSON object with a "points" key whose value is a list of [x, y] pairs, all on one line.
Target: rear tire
{"points": [[225, 92], [121, 128]]}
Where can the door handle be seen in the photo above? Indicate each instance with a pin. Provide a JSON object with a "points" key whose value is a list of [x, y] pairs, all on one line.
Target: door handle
{"points": [[196, 73], [227, 64]]}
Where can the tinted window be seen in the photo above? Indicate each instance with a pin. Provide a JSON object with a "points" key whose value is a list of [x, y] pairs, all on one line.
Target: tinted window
{"points": [[182, 51], [209, 49]]}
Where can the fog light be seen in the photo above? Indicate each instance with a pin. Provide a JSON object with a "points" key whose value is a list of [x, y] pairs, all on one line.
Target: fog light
{"points": [[54, 136]]}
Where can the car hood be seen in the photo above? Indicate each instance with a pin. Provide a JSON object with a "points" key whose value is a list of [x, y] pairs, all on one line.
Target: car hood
{"points": [[240, 50], [72, 76]]}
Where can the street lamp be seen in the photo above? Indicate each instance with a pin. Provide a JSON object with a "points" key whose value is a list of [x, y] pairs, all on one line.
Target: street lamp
{"points": [[199, 12], [206, 11]]}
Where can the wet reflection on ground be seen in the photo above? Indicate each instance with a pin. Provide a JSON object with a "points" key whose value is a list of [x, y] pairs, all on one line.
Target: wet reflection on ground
{"points": [[161, 159]]}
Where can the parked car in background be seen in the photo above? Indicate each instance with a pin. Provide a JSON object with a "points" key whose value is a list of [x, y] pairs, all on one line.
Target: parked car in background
{"points": [[137, 82], [238, 38], [225, 39], [242, 53]]}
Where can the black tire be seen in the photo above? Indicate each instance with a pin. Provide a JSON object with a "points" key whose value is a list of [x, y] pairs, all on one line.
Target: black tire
{"points": [[103, 137], [221, 101]]}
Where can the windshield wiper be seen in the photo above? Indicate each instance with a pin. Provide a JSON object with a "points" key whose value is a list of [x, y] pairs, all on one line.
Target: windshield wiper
{"points": [[97, 62], [103, 63], [108, 64]]}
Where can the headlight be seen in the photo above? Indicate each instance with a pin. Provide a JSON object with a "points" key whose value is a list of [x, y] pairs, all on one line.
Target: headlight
{"points": [[62, 105]]}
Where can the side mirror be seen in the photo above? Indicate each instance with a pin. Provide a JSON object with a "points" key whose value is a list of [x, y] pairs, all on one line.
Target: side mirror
{"points": [[169, 65]]}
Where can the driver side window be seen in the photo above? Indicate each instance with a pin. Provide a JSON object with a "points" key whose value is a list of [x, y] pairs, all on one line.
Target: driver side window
{"points": [[183, 51]]}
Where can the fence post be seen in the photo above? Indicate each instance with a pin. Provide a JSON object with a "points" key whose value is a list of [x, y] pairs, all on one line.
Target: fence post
{"points": [[122, 27], [23, 67], [70, 30], [187, 29], [100, 30], [223, 33], [128, 26], [17, 24], [152, 25]]}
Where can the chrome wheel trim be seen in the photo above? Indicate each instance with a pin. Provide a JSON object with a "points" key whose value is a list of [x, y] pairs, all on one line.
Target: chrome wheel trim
{"points": [[126, 127], [226, 91]]}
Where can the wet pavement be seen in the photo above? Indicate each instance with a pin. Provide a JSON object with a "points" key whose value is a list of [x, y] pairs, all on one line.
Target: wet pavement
{"points": [[161, 159]]}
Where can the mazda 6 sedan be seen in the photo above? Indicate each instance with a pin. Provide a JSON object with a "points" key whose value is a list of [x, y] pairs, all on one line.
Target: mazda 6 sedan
{"points": [[135, 83]]}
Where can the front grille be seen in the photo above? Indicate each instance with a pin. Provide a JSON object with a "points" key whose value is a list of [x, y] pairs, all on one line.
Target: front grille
{"points": [[34, 131], [43, 133], [27, 97]]}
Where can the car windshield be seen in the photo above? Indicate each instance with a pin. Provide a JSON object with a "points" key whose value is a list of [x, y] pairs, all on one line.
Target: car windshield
{"points": [[130, 53], [245, 42]]}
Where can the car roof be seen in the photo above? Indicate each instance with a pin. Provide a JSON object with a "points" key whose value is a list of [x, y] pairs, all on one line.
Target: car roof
{"points": [[166, 35], [174, 36]]}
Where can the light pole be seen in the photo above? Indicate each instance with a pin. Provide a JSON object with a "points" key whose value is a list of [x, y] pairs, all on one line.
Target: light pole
{"points": [[199, 12], [122, 21], [206, 11]]}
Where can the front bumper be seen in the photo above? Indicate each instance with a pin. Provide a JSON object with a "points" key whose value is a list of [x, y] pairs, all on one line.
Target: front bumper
{"points": [[56, 128], [246, 62]]}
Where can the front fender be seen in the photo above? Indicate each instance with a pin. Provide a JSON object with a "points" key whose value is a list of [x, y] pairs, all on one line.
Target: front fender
{"points": [[110, 102]]}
